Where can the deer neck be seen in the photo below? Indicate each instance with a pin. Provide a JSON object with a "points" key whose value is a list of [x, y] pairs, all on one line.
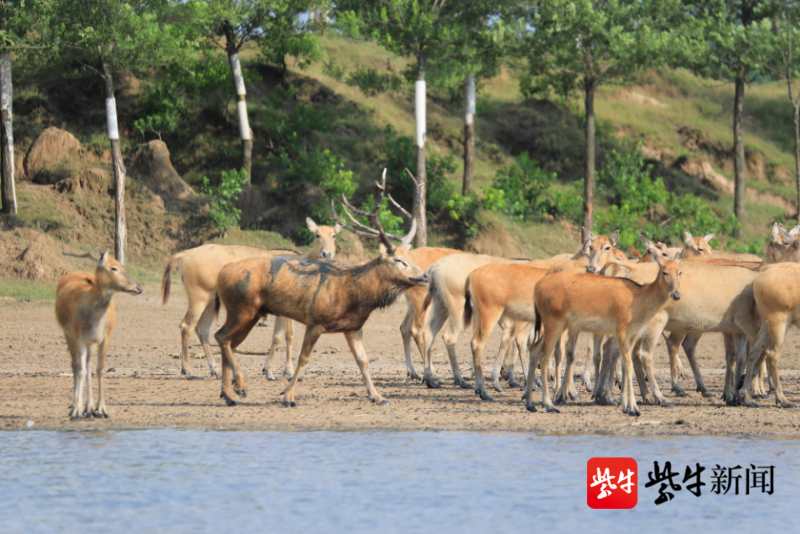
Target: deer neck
{"points": [[652, 298], [373, 287]]}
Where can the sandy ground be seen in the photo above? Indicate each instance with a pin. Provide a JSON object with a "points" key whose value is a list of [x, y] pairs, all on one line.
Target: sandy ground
{"points": [[145, 389]]}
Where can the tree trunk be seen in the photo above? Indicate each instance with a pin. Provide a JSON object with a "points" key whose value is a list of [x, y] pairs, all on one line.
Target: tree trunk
{"points": [[796, 116], [420, 208], [245, 133], [738, 150], [591, 151], [469, 134], [120, 228], [8, 193]]}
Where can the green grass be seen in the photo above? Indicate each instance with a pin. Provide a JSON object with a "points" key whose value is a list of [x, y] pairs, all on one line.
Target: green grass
{"points": [[27, 290]]}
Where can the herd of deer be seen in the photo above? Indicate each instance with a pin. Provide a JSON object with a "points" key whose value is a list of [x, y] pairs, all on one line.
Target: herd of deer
{"points": [[541, 306]]}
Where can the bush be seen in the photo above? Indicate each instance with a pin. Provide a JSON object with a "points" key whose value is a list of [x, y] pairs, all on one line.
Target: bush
{"points": [[224, 197], [520, 190], [372, 82]]}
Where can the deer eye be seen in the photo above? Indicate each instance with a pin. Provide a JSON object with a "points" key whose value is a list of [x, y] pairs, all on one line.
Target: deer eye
{"points": [[114, 269], [401, 262]]}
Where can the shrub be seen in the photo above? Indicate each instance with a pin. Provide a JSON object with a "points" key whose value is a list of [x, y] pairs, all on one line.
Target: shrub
{"points": [[224, 197], [519, 190]]}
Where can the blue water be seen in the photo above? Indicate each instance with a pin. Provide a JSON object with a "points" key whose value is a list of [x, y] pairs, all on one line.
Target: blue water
{"points": [[196, 481]]}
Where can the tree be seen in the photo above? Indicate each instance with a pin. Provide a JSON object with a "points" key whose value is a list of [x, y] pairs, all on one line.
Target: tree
{"points": [[786, 28], [572, 44], [276, 24], [109, 36], [420, 29], [737, 39], [16, 20], [475, 52]]}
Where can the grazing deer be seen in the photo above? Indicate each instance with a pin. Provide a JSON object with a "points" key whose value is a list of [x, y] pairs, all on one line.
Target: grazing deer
{"points": [[575, 302], [777, 297], [87, 315], [783, 245], [200, 267], [324, 297]]}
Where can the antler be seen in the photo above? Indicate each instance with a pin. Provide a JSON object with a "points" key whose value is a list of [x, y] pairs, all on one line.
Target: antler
{"points": [[378, 231]]}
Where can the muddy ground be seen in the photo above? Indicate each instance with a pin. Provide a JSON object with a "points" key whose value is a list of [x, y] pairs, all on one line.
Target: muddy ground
{"points": [[145, 389]]}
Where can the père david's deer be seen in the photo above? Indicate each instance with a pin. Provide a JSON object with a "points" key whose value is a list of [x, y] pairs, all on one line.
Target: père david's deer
{"points": [[577, 302], [200, 267], [87, 315], [324, 297]]}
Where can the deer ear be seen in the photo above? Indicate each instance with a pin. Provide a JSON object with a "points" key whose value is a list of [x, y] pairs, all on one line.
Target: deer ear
{"points": [[655, 253], [312, 226], [101, 261], [687, 239], [337, 228], [614, 237], [708, 237], [383, 251]]}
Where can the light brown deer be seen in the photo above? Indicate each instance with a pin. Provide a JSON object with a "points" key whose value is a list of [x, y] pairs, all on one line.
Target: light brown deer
{"points": [[447, 293], [324, 297], [576, 302], [777, 295], [200, 267], [87, 315]]}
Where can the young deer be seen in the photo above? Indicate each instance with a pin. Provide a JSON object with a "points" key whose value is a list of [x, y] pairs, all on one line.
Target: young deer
{"points": [[85, 310], [579, 302]]}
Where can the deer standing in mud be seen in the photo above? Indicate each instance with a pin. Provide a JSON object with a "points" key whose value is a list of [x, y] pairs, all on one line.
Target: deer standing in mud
{"points": [[324, 297], [87, 315], [575, 302], [200, 267]]}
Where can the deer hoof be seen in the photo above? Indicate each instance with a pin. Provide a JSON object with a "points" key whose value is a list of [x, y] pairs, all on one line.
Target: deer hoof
{"points": [[633, 412], [432, 382], [784, 404], [530, 406], [551, 409], [289, 404], [228, 400], [412, 375], [483, 395], [380, 401], [678, 390], [512, 383], [705, 393], [497, 387], [268, 374], [212, 373], [241, 392], [463, 384]]}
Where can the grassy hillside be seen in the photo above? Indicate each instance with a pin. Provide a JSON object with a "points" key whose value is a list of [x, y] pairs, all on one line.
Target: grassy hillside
{"points": [[681, 121]]}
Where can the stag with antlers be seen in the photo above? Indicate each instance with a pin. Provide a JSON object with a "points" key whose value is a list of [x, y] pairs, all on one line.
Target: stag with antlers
{"points": [[325, 297]]}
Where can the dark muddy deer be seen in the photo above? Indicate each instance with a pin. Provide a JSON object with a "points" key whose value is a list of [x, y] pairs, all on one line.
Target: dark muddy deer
{"points": [[87, 315], [324, 297]]}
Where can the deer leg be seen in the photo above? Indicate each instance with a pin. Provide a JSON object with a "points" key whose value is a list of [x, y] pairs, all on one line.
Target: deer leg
{"points": [[535, 351], [597, 359], [406, 333], [690, 346], [605, 382], [436, 320], [266, 370], [309, 339], [80, 357], [197, 307], [288, 370], [562, 395], [759, 388], [628, 397], [102, 351], [777, 334], [755, 355], [504, 358], [552, 337], [238, 324], [729, 391], [520, 340], [644, 358], [674, 342], [356, 342], [203, 330]]}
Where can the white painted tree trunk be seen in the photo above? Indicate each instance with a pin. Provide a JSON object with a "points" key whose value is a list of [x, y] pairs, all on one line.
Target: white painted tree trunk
{"points": [[421, 238], [245, 133], [469, 133], [112, 128], [9, 192]]}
